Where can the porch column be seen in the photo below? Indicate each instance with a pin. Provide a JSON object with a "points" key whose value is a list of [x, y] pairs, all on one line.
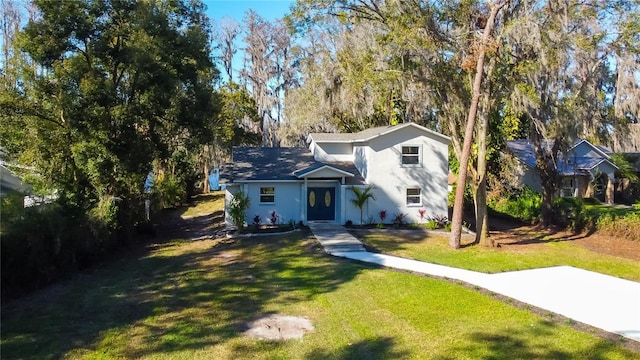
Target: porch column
{"points": [[304, 201], [608, 197]]}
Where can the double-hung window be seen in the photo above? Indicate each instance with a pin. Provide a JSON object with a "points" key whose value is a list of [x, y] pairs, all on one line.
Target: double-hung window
{"points": [[411, 155], [267, 195], [414, 196]]}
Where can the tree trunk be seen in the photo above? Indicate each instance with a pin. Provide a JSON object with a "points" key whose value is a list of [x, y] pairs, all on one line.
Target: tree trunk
{"points": [[547, 205], [482, 219], [456, 221]]}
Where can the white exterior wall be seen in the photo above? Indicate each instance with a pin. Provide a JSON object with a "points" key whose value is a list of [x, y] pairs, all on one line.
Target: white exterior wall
{"points": [[380, 162], [370, 212], [332, 152], [360, 157]]}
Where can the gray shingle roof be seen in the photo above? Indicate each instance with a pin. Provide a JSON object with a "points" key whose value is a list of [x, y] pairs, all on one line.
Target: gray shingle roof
{"points": [[365, 134], [362, 135], [524, 151], [263, 163]]}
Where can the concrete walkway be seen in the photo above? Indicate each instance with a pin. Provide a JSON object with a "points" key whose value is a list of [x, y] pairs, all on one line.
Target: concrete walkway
{"points": [[606, 302]]}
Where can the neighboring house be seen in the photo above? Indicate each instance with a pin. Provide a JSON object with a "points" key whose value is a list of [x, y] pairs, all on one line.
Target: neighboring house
{"points": [[586, 169], [407, 164], [11, 182]]}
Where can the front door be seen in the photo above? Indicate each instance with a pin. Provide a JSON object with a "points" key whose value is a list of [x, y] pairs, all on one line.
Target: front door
{"points": [[321, 204]]}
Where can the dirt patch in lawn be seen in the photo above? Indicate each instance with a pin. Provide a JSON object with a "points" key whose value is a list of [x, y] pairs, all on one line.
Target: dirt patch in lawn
{"points": [[516, 235], [278, 328]]}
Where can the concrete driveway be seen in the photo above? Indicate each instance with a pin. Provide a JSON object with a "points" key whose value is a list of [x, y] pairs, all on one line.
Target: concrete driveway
{"points": [[606, 302]]}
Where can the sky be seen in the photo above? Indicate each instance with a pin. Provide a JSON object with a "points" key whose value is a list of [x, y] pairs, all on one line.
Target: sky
{"points": [[267, 9]]}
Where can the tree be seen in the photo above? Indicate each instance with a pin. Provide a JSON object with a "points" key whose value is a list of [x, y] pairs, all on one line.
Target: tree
{"points": [[456, 221], [362, 196], [561, 77], [121, 84], [226, 35]]}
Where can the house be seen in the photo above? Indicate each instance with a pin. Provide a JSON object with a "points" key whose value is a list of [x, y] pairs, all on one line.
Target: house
{"points": [[407, 164], [9, 182], [586, 169]]}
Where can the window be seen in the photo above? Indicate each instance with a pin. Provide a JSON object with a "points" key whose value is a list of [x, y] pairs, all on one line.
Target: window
{"points": [[410, 155], [414, 196], [267, 195]]}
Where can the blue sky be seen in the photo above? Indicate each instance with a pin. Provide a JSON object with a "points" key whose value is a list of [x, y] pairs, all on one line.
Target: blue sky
{"points": [[267, 9]]}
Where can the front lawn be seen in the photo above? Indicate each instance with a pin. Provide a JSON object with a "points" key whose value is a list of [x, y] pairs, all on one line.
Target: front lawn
{"points": [[190, 300], [435, 249]]}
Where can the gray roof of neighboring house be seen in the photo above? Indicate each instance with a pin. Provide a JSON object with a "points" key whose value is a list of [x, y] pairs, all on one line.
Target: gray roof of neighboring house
{"points": [[524, 151], [9, 181], [277, 164], [367, 134]]}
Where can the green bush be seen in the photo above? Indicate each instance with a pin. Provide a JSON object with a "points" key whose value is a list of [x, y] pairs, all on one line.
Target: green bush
{"points": [[42, 244], [237, 209], [431, 225], [570, 213], [622, 227], [170, 190], [523, 205]]}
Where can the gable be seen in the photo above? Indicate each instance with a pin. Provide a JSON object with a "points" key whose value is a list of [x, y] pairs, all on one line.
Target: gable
{"points": [[372, 133], [585, 149], [323, 171], [583, 156]]}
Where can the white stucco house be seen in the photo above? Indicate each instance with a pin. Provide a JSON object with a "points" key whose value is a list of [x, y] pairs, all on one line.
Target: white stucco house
{"points": [[586, 169], [407, 164]]}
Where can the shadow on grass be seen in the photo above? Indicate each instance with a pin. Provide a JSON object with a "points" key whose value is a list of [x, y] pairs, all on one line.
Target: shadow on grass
{"points": [[393, 240], [165, 302], [376, 348], [522, 344]]}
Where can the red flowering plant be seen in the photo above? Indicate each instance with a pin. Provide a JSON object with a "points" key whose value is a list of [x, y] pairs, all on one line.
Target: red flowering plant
{"points": [[383, 215], [421, 212]]}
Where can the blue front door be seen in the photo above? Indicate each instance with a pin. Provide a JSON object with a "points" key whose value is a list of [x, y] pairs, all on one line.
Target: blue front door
{"points": [[321, 204]]}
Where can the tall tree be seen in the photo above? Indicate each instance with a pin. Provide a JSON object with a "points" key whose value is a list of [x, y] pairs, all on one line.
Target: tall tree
{"points": [[560, 52], [226, 36], [123, 83], [485, 43]]}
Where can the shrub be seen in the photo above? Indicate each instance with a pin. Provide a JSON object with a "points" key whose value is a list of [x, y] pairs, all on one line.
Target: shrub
{"points": [[170, 190], [523, 205], [383, 215], [399, 219], [431, 225], [570, 213], [622, 227], [274, 218], [421, 213], [256, 220], [237, 209], [349, 223], [440, 220]]}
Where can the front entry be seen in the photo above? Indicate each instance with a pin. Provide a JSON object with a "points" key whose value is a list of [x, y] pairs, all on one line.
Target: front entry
{"points": [[321, 204]]}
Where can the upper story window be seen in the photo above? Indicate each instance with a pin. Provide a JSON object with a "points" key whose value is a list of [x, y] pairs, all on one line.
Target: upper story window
{"points": [[267, 195], [414, 196], [411, 155]]}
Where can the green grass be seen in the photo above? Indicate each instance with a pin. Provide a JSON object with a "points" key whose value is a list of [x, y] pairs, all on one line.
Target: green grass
{"points": [[435, 249], [204, 204], [189, 300]]}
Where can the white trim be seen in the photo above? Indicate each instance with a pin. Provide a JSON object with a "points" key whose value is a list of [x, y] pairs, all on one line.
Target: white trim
{"points": [[592, 146], [419, 154], [406, 196], [260, 194], [342, 172], [441, 137]]}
